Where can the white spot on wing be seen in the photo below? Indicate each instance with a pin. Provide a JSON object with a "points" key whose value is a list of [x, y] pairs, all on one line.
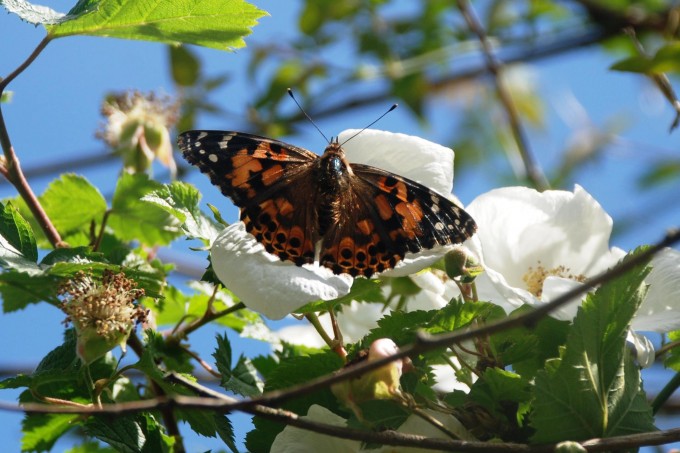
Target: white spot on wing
{"points": [[212, 158], [202, 135], [225, 140]]}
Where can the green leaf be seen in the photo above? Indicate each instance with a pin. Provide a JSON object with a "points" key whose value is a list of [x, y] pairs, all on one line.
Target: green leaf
{"points": [[226, 431], [292, 371], [527, 349], [666, 59], [181, 200], [220, 24], [497, 387], [90, 447], [33, 14], [41, 431], [242, 379], [17, 232], [72, 203], [134, 219], [185, 67], [594, 390], [18, 289], [130, 433]]}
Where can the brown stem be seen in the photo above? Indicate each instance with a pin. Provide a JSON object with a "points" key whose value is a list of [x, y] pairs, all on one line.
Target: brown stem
{"points": [[533, 170], [13, 171]]}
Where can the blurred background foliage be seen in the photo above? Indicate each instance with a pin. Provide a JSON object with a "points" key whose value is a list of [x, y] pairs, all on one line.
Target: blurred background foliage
{"points": [[345, 56]]}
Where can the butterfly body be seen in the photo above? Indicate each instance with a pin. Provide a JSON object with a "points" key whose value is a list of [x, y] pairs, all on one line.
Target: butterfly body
{"points": [[352, 218]]}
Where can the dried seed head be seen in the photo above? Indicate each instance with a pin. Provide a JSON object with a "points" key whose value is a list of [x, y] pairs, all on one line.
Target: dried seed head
{"points": [[103, 311]]}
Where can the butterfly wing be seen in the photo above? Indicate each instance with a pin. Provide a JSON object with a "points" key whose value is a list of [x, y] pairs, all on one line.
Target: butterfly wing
{"points": [[386, 217], [268, 179]]}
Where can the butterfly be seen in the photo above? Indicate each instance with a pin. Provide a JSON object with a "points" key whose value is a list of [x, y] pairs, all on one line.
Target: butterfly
{"points": [[354, 219]]}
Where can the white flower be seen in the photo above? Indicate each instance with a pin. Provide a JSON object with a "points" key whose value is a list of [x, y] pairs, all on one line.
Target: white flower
{"points": [[534, 245], [275, 288], [660, 310], [298, 440]]}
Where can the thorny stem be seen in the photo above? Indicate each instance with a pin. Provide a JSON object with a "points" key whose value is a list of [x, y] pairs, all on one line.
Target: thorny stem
{"points": [[12, 170], [533, 171]]}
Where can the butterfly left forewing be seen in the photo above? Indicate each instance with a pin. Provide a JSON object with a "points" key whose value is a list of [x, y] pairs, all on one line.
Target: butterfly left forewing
{"points": [[245, 167], [266, 179]]}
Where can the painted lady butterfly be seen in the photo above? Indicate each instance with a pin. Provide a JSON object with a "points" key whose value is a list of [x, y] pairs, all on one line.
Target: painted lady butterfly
{"points": [[366, 218]]}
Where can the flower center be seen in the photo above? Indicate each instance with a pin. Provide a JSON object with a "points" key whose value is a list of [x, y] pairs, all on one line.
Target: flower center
{"points": [[535, 276]]}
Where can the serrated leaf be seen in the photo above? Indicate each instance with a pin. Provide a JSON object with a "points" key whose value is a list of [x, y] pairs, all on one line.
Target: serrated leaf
{"points": [[292, 371], [33, 14], [72, 203], [127, 434], [181, 200], [496, 387], [594, 391], [41, 431], [220, 24], [226, 431], [18, 289], [17, 232], [243, 378], [134, 219]]}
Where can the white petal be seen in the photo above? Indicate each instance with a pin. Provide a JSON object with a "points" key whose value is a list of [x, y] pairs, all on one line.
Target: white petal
{"points": [[492, 287], [642, 349], [660, 311], [554, 287], [412, 157], [303, 333], [446, 378], [416, 262], [266, 284], [297, 440]]}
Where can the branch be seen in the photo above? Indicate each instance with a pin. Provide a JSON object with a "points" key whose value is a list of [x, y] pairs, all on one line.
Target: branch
{"points": [[12, 169], [532, 169], [222, 403]]}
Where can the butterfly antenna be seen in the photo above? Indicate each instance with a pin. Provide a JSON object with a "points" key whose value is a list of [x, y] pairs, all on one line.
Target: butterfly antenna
{"points": [[290, 93], [394, 106]]}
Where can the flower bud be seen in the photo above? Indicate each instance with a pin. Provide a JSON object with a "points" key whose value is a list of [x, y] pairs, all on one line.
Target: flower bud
{"points": [[459, 262], [137, 128], [381, 383]]}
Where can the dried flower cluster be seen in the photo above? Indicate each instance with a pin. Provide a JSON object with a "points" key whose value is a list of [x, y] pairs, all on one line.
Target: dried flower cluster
{"points": [[102, 312]]}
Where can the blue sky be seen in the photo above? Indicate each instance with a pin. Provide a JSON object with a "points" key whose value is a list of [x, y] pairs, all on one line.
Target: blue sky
{"points": [[55, 113]]}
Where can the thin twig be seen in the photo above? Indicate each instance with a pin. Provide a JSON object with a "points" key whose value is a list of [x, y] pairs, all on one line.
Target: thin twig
{"points": [[533, 170], [223, 404]]}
